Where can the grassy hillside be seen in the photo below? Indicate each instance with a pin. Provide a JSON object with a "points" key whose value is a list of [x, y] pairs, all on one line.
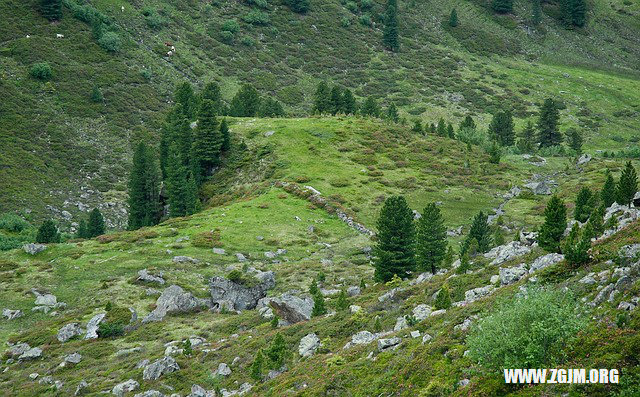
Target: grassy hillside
{"points": [[56, 139]]}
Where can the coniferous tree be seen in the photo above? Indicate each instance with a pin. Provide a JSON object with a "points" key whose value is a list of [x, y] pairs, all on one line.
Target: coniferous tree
{"points": [[95, 226], [348, 102], [48, 233], [527, 140], [277, 352], [336, 100], [181, 186], [453, 18], [270, 107], [207, 142], [583, 208], [417, 127], [370, 107], [432, 129], [555, 223], [548, 134], [82, 231], [212, 92], [313, 288], [395, 249], [392, 113], [468, 123], [494, 152], [450, 133], [226, 135], [627, 185], [608, 192], [596, 220], [51, 9], [299, 6], [443, 298], [431, 239], [342, 302], [390, 31], [576, 247], [574, 12], [143, 189], [257, 366], [246, 102], [502, 6], [480, 232], [186, 98], [319, 307], [442, 128], [322, 98], [574, 138], [501, 128], [536, 12]]}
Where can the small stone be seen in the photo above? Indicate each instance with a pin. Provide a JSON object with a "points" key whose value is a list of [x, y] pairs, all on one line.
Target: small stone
{"points": [[219, 251], [415, 334], [426, 338], [223, 370], [74, 358], [384, 344], [125, 387]]}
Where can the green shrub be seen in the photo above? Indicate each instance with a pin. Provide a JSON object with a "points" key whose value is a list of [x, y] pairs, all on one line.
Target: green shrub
{"points": [[110, 41], [256, 17], [231, 25], [110, 330], [13, 223], [41, 71], [528, 332], [443, 299]]}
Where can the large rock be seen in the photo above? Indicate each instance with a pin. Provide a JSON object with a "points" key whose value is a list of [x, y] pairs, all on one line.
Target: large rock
{"points": [[11, 314], [630, 252], [93, 325], [507, 252], [292, 309], [511, 275], [17, 349], [353, 291], [584, 159], [160, 367], [69, 331], [477, 293], [33, 249], [363, 338], [240, 297], [150, 393], [185, 259], [125, 387], [401, 323], [384, 344], [389, 295], [545, 261], [174, 300], [602, 295], [223, 370], [31, 354], [44, 299], [146, 277], [308, 345], [421, 312], [73, 358]]}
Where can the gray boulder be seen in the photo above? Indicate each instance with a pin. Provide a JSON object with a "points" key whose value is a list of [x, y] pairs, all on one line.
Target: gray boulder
{"points": [[145, 276], [240, 297], [401, 323], [504, 253], [545, 261], [69, 331], [73, 358], [31, 354], [44, 299], [199, 391], [174, 300], [219, 251], [125, 387], [477, 293], [17, 349], [292, 309], [353, 291], [512, 274], [363, 338], [12, 314], [630, 252], [185, 259], [150, 393], [33, 249], [602, 295], [160, 367], [92, 326], [308, 345], [384, 344], [223, 370], [584, 159], [421, 312]]}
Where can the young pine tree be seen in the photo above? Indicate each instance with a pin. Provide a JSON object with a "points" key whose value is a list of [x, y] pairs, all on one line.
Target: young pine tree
{"points": [[48, 233], [392, 113], [207, 142], [494, 152], [501, 128], [548, 134], [322, 98], [627, 185], [575, 140], [143, 189], [608, 192], [343, 302], [417, 127], [527, 140], [212, 92], [596, 220], [277, 352], [319, 307], [431, 239], [370, 108], [390, 31], [335, 105], [453, 18], [95, 226], [443, 299], [468, 123], [299, 6], [576, 247], [555, 223], [583, 208], [348, 102], [257, 367], [395, 249], [450, 132], [246, 102], [481, 232], [441, 129], [82, 231], [502, 6]]}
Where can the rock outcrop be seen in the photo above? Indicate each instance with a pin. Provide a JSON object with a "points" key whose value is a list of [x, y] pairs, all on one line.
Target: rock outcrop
{"points": [[235, 296], [174, 300]]}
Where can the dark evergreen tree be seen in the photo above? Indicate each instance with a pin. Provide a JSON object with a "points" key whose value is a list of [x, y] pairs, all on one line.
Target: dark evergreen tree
{"points": [[574, 12], [431, 239], [536, 12], [181, 185], [322, 98], [584, 202], [608, 192], [348, 102], [96, 95], [450, 133], [319, 307], [392, 113], [574, 138], [370, 108], [576, 247], [277, 352], [212, 92], [48, 233], [186, 98], [501, 128], [442, 128], [443, 299], [548, 134], [527, 140], [270, 107], [342, 302], [432, 129], [453, 18], [207, 142], [502, 6], [313, 287], [246, 102], [468, 123], [299, 6], [596, 220], [417, 127], [395, 249], [257, 366], [51, 9], [336, 100], [226, 135], [82, 231], [555, 223], [627, 185], [494, 152], [480, 232], [95, 226], [390, 31], [143, 189]]}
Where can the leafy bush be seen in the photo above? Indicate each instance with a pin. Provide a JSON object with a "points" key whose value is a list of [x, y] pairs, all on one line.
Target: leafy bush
{"points": [[471, 136], [528, 332], [110, 330], [110, 41], [41, 71], [13, 223], [231, 25], [9, 242], [256, 17]]}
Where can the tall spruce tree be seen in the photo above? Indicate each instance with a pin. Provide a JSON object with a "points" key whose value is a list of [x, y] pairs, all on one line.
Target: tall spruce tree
{"points": [[527, 139], [95, 226], [226, 135], [212, 92], [627, 185], [548, 134], [207, 142], [501, 128], [336, 100], [299, 6], [481, 232], [187, 99], [143, 188], [51, 9], [608, 192], [431, 239], [574, 12], [395, 249], [555, 223], [48, 233], [468, 123], [536, 12], [453, 18], [370, 107], [502, 6], [181, 186], [82, 231], [392, 113], [450, 132], [442, 128], [270, 107], [583, 208], [322, 98], [390, 32], [319, 307], [246, 102], [348, 102]]}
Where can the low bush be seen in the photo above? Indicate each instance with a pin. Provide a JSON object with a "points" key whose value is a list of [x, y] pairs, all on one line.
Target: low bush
{"points": [[41, 71]]}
